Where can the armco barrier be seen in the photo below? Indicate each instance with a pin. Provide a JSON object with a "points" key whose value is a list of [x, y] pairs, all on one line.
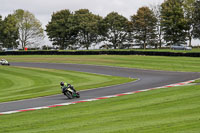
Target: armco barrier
{"points": [[84, 52]]}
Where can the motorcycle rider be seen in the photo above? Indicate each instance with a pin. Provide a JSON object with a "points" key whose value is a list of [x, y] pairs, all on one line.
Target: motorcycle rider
{"points": [[65, 85]]}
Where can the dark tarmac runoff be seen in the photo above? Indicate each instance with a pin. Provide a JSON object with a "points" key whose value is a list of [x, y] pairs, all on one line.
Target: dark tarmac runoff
{"points": [[146, 79]]}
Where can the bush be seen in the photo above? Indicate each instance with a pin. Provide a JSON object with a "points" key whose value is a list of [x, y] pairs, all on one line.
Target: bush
{"points": [[100, 52]]}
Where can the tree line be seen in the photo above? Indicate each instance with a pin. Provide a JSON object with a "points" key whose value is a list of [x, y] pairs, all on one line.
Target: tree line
{"points": [[172, 22], [20, 28]]}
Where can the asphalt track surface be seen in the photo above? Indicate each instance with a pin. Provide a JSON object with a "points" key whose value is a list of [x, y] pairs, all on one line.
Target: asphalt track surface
{"points": [[146, 79]]}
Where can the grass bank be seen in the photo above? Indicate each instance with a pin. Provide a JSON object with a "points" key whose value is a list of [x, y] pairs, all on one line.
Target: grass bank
{"points": [[187, 64], [169, 110], [22, 83]]}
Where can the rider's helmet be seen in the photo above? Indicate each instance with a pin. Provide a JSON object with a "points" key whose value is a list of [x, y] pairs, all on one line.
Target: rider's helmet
{"points": [[62, 83]]}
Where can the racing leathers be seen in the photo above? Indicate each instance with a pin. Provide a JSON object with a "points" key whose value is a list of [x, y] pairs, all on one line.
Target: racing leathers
{"points": [[65, 86]]}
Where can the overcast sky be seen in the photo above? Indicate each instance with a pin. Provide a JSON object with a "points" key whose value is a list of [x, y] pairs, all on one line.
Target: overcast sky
{"points": [[43, 9]]}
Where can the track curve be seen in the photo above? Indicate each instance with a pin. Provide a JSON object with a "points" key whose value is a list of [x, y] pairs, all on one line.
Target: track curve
{"points": [[147, 79]]}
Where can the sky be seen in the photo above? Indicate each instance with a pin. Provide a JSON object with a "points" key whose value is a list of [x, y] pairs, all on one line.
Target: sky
{"points": [[43, 9]]}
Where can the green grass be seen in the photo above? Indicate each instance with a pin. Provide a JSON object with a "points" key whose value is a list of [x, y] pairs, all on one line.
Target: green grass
{"points": [[188, 64], [169, 110], [197, 81], [21, 83]]}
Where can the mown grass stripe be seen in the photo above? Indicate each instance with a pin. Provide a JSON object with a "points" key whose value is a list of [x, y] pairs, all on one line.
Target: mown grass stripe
{"points": [[23, 83], [164, 110], [188, 64], [144, 112]]}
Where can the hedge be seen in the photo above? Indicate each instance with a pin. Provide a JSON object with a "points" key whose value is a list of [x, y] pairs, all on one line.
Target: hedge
{"points": [[84, 52]]}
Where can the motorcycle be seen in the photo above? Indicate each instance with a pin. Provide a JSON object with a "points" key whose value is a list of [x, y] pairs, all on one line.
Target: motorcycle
{"points": [[70, 93], [4, 62]]}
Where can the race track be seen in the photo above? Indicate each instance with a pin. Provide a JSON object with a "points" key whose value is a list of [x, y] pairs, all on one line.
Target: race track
{"points": [[146, 79]]}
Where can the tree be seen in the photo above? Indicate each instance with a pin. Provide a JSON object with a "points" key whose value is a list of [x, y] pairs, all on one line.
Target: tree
{"points": [[157, 12], [189, 7], [197, 20], [62, 29], [144, 26], [9, 32], [129, 38], [102, 31], [88, 30], [30, 28], [173, 23], [116, 27], [1, 30]]}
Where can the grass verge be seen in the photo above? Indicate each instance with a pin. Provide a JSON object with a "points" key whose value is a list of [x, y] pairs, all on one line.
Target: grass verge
{"points": [[187, 64], [22, 83], [172, 110], [197, 81]]}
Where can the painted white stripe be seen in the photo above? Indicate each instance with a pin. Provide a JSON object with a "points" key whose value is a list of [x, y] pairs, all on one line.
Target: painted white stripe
{"points": [[128, 93], [88, 100], [64, 104], [40, 108], [9, 112], [111, 96]]}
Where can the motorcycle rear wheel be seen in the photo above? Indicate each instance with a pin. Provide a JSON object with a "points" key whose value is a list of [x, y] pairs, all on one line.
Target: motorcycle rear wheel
{"points": [[77, 95]]}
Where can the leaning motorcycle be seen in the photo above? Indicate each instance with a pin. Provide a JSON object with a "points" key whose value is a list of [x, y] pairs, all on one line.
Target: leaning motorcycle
{"points": [[71, 94]]}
